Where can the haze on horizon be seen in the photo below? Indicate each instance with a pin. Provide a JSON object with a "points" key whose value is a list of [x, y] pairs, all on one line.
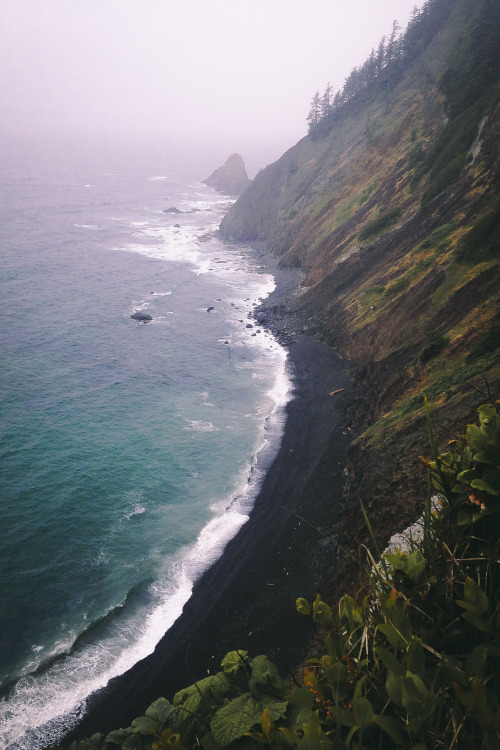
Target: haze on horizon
{"points": [[206, 77]]}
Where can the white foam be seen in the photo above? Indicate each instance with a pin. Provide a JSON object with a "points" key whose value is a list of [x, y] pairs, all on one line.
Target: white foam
{"points": [[200, 426], [52, 702]]}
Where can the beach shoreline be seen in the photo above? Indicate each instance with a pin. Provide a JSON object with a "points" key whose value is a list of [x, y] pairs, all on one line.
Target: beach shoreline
{"points": [[246, 599]]}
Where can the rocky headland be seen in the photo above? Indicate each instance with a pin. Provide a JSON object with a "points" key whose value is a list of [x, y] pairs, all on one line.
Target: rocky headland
{"points": [[231, 178]]}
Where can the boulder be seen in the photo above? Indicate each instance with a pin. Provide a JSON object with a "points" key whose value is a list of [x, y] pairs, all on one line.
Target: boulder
{"points": [[139, 315], [172, 210]]}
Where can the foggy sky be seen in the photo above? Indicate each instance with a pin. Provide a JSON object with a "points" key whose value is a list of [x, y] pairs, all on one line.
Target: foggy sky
{"points": [[231, 75]]}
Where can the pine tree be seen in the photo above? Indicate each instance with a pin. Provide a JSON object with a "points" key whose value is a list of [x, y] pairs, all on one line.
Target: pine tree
{"points": [[326, 102], [314, 115]]}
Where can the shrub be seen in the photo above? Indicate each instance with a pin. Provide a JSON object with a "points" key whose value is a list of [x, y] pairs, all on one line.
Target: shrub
{"points": [[434, 346], [412, 660], [482, 242], [490, 342], [382, 222]]}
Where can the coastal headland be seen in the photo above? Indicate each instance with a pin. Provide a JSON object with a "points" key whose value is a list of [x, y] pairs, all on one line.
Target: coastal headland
{"points": [[246, 600]]}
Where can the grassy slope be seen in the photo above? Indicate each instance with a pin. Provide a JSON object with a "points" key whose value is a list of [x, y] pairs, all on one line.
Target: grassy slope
{"points": [[383, 282]]}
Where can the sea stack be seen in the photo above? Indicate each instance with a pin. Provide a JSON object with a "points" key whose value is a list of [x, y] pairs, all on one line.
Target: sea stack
{"points": [[231, 178]]}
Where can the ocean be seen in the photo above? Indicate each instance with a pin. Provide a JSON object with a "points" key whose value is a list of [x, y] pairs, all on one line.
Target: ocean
{"points": [[131, 451]]}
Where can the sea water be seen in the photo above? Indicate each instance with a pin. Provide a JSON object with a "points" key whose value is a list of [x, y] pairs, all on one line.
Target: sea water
{"points": [[131, 452]]}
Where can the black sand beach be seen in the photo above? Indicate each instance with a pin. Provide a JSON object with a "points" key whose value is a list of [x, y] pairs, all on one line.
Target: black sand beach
{"points": [[247, 599]]}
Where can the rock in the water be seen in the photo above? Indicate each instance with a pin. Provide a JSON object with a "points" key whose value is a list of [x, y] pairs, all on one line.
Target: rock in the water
{"points": [[231, 178], [210, 308], [139, 315], [172, 210]]}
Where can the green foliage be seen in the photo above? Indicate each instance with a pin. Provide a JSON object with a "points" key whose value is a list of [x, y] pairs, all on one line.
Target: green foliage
{"points": [[469, 473], [412, 660], [380, 224], [488, 343], [447, 157], [438, 236], [475, 62], [482, 242], [396, 287], [434, 346]]}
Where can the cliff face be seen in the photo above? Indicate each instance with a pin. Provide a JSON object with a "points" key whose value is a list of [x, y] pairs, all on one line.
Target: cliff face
{"points": [[393, 214], [231, 178]]}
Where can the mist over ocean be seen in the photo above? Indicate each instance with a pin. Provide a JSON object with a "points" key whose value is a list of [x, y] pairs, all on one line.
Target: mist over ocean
{"points": [[131, 452]]}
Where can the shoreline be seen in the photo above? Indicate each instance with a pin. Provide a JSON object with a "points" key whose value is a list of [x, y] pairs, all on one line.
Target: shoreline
{"points": [[246, 599]]}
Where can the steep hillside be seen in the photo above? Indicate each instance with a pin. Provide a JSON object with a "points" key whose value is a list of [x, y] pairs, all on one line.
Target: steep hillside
{"points": [[392, 211]]}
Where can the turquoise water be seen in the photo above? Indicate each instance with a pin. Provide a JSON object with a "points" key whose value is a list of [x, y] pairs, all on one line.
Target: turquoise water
{"points": [[131, 451]]}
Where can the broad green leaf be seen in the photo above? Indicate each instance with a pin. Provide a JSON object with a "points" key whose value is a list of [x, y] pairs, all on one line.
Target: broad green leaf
{"points": [[475, 437], [137, 742], [416, 564], [487, 411], [277, 709], [160, 710], [453, 670], [344, 716], [96, 742], [414, 694], [398, 561], [303, 606], [265, 678], [189, 699], [349, 607], [395, 637], [389, 660], [415, 658], [391, 726], [234, 661], [300, 705], [291, 736], [145, 725], [487, 458], [363, 711], [465, 697], [481, 623], [475, 600], [476, 663], [416, 686], [118, 736], [480, 484], [394, 687], [322, 613], [314, 737], [235, 718]]}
